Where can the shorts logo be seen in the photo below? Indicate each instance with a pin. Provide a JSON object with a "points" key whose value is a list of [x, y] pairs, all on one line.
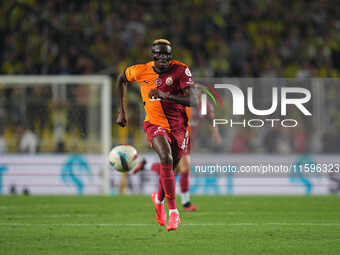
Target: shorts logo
{"points": [[158, 130], [169, 81], [158, 82]]}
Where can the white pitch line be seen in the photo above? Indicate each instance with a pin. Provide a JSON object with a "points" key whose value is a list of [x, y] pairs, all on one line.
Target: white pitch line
{"points": [[243, 224], [304, 224], [76, 224], [101, 224], [9, 207], [19, 216], [185, 224], [217, 213], [203, 224]]}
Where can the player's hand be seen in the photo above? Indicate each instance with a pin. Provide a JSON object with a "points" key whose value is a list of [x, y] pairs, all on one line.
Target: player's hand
{"points": [[158, 94], [121, 119]]}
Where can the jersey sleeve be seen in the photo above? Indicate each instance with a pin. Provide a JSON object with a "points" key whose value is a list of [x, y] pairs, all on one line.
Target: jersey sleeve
{"points": [[186, 78], [131, 73]]}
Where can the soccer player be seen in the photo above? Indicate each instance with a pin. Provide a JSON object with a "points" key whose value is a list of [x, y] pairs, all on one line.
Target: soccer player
{"points": [[166, 89], [183, 169]]}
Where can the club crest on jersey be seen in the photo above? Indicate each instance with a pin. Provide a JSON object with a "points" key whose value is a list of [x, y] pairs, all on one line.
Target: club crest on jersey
{"points": [[158, 82], [169, 81]]}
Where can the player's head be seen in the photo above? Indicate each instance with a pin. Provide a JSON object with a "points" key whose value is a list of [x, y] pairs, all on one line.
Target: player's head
{"points": [[161, 53]]}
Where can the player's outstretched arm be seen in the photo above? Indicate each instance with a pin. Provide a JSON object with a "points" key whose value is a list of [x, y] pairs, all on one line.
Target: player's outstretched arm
{"points": [[121, 84], [190, 97]]}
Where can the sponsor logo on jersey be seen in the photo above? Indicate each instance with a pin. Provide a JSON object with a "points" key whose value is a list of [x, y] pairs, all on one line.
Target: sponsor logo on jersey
{"points": [[158, 82]]}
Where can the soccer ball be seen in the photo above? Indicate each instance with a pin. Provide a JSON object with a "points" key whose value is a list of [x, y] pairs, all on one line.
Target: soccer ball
{"points": [[123, 158]]}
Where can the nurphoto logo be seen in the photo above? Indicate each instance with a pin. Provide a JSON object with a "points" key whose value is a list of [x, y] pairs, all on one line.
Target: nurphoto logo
{"points": [[302, 96]]}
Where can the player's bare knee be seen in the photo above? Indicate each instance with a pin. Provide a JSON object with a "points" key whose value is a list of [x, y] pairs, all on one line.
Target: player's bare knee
{"points": [[184, 164], [184, 169], [166, 158]]}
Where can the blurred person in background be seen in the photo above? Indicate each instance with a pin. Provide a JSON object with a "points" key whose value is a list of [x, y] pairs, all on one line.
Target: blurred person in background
{"points": [[38, 99], [278, 140], [183, 169], [60, 122], [196, 121], [28, 142], [242, 141], [3, 143]]}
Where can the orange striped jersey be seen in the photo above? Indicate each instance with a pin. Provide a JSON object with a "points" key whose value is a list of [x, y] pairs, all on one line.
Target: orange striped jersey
{"points": [[165, 113]]}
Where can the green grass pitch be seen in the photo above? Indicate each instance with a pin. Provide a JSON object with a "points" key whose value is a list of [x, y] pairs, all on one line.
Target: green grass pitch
{"points": [[126, 225]]}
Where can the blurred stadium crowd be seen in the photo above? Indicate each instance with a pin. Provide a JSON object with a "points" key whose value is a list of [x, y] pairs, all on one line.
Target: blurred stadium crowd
{"points": [[251, 38]]}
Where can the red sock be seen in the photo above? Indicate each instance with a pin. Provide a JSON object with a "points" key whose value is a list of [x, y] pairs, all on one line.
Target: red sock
{"points": [[156, 167], [160, 193], [184, 182], [169, 184]]}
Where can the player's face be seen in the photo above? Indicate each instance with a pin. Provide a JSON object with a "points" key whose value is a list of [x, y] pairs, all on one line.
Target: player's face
{"points": [[162, 55], [161, 60]]}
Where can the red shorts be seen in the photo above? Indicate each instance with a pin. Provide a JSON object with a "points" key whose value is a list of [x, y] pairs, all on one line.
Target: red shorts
{"points": [[178, 138]]}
